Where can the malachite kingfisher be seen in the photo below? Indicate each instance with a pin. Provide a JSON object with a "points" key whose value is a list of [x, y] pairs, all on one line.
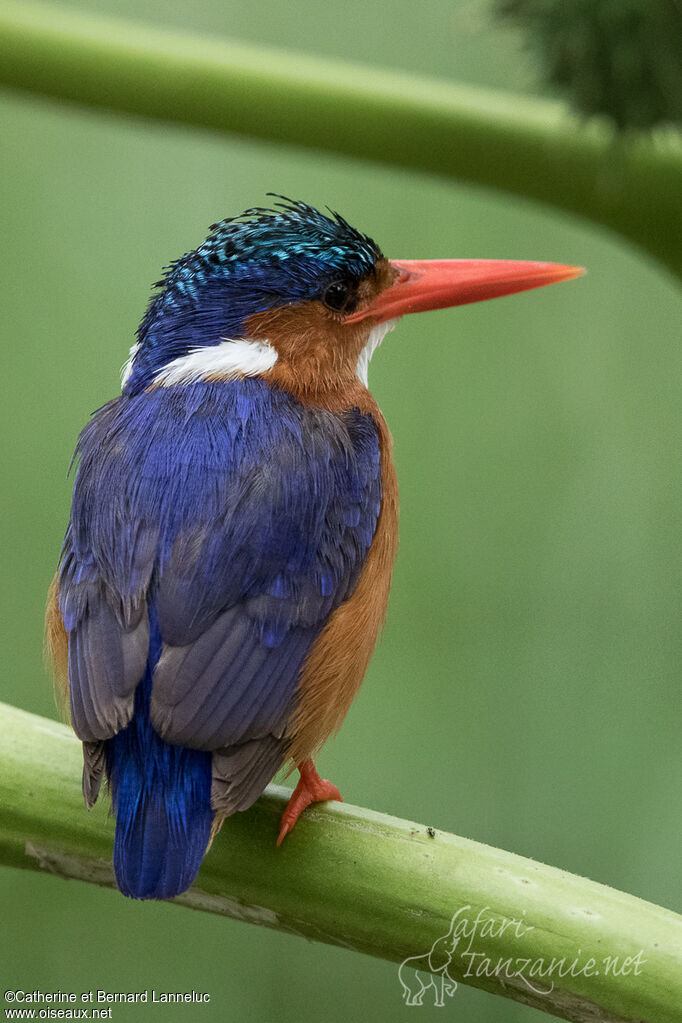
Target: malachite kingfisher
{"points": [[227, 563]]}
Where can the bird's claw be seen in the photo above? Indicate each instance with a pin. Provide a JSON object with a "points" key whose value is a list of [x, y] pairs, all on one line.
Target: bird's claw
{"points": [[310, 789]]}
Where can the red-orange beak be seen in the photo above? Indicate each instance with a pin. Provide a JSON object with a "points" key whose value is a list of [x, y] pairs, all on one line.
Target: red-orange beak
{"points": [[424, 284]]}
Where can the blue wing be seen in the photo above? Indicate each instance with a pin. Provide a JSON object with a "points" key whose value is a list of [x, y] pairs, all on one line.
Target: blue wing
{"points": [[244, 518]]}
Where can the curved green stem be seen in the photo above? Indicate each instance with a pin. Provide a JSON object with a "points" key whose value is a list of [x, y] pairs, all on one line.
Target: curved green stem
{"points": [[374, 884], [524, 146]]}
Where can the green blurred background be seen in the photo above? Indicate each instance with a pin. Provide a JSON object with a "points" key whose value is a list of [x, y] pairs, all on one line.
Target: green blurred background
{"points": [[525, 692]]}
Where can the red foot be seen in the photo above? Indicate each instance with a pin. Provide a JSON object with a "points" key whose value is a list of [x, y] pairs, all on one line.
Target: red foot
{"points": [[310, 789]]}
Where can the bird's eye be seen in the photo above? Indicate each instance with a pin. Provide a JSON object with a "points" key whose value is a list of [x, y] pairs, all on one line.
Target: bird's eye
{"points": [[338, 295]]}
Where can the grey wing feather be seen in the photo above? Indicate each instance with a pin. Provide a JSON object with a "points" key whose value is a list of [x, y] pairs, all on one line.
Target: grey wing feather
{"points": [[191, 704], [106, 662], [93, 771], [108, 631], [241, 773]]}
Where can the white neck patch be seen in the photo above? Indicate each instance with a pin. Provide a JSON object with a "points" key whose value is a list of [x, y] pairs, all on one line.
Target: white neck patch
{"points": [[243, 357], [127, 369], [375, 338]]}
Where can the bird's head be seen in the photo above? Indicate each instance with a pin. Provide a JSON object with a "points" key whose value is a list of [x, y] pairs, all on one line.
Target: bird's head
{"points": [[300, 298]]}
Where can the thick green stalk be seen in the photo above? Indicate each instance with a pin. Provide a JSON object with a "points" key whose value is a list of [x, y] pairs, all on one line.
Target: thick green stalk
{"points": [[524, 146], [374, 884]]}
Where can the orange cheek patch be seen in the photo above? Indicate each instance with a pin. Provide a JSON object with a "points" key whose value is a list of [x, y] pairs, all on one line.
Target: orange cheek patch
{"points": [[316, 352]]}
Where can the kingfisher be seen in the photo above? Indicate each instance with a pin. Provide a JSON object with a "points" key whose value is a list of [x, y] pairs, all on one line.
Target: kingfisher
{"points": [[227, 562]]}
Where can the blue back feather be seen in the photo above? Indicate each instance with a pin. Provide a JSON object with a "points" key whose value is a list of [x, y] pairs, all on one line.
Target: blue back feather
{"points": [[226, 521]]}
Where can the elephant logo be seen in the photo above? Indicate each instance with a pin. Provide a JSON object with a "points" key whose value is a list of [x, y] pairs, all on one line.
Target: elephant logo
{"points": [[419, 973]]}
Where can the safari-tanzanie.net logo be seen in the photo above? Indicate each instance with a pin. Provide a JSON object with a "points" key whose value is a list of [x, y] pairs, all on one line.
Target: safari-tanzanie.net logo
{"points": [[427, 978]]}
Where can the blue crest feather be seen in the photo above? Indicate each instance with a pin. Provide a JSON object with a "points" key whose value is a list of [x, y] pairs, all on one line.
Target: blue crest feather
{"points": [[262, 259]]}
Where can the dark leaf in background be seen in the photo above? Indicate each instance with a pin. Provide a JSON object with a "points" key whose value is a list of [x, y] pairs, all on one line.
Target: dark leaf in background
{"points": [[618, 58]]}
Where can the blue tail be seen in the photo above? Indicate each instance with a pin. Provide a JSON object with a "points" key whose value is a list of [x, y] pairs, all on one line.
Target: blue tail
{"points": [[161, 796]]}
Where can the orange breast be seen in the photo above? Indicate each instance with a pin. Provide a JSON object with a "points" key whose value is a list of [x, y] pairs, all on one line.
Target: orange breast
{"points": [[337, 662]]}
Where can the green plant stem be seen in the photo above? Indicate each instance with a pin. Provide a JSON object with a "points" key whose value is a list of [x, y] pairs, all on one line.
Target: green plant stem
{"points": [[370, 883], [524, 146]]}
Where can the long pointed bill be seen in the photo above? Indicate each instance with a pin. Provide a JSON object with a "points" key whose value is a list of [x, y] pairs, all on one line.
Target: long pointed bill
{"points": [[424, 284]]}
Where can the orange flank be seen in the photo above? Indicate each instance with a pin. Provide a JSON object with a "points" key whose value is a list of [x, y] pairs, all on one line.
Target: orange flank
{"points": [[334, 669], [56, 645]]}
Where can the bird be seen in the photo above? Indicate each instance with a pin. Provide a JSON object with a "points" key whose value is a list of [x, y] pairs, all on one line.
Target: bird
{"points": [[227, 562]]}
